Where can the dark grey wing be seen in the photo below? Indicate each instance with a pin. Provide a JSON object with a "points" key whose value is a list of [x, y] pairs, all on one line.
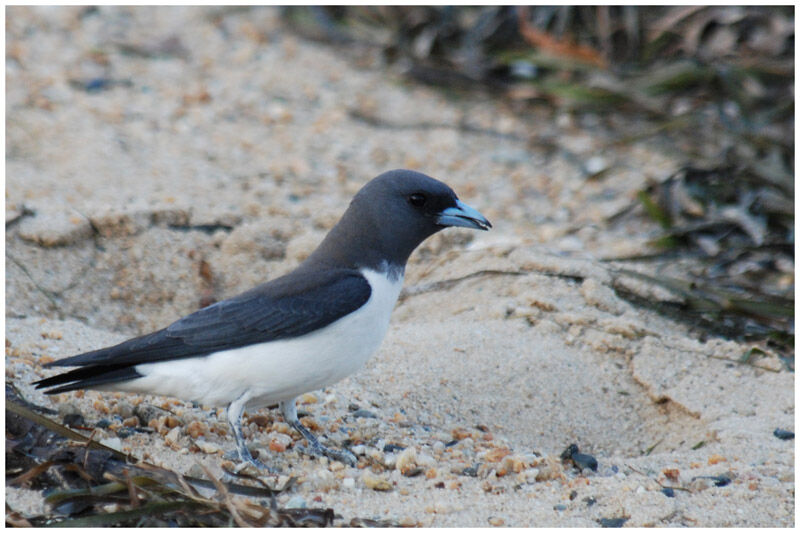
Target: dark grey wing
{"points": [[255, 317], [284, 308]]}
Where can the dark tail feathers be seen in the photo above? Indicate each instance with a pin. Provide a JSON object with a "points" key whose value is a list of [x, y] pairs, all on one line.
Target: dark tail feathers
{"points": [[88, 377]]}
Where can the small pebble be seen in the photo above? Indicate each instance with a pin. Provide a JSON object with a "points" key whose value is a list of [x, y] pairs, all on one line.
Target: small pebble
{"points": [[196, 471], [669, 492], [569, 451], [74, 420], [308, 398], [112, 442], [359, 449], [584, 461], [549, 469], [612, 522], [282, 427], [528, 476], [699, 483], [581, 460], [363, 413], [511, 464], [375, 455], [207, 447], [721, 481], [68, 408], [413, 472], [460, 433], [783, 434], [54, 334], [123, 409], [348, 483], [471, 471], [375, 482], [146, 412], [296, 502], [196, 428], [423, 459], [497, 454], [560, 507], [173, 436], [671, 473], [261, 421], [496, 521], [406, 461], [595, 165], [321, 479]]}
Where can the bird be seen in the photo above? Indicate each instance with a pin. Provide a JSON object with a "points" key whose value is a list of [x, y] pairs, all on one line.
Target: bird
{"points": [[294, 334]]}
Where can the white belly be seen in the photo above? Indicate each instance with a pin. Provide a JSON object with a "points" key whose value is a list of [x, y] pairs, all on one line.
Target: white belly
{"points": [[278, 370]]}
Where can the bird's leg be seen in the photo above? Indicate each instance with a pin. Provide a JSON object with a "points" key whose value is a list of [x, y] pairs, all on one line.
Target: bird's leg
{"points": [[235, 411], [289, 412]]}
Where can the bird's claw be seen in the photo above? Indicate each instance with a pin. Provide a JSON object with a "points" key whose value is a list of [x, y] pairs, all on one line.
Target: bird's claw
{"points": [[245, 459], [343, 456], [259, 465]]}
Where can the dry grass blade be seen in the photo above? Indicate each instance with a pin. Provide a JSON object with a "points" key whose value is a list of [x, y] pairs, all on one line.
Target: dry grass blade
{"points": [[555, 46], [122, 517], [93, 491], [226, 498], [31, 474], [132, 492]]}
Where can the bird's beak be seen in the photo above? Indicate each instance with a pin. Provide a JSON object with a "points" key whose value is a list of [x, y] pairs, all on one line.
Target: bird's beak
{"points": [[463, 215]]}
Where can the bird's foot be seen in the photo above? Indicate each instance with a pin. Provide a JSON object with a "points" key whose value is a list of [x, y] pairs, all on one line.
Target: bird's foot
{"points": [[318, 450], [242, 454], [314, 448]]}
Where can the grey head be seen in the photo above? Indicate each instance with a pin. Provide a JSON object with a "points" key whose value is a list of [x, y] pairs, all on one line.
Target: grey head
{"points": [[389, 217]]}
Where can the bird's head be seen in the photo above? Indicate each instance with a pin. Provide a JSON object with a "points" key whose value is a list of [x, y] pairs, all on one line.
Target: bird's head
{"points": [[392, 214]]}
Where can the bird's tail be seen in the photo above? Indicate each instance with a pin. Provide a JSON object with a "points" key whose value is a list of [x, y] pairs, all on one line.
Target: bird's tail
{"points": [[88, 377]]}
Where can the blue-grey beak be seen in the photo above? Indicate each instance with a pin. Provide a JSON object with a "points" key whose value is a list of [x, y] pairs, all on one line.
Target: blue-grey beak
{"points": [[463, 215]]}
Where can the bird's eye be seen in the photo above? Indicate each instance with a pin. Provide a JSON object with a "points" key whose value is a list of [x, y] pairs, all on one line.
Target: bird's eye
{"points": [[417, 199]]}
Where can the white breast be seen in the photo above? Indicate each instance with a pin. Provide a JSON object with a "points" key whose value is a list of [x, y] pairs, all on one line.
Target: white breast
{"points": [[280, 370]]}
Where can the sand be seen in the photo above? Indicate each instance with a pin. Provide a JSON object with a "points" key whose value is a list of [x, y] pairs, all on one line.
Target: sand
{"points": [[225, 149]]}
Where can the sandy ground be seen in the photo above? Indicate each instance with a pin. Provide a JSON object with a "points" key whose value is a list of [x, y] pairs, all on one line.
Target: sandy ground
{"points": [[225, 149]]}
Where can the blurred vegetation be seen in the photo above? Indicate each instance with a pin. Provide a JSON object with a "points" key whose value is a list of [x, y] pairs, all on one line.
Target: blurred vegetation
{"points": [[718, 82]]}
